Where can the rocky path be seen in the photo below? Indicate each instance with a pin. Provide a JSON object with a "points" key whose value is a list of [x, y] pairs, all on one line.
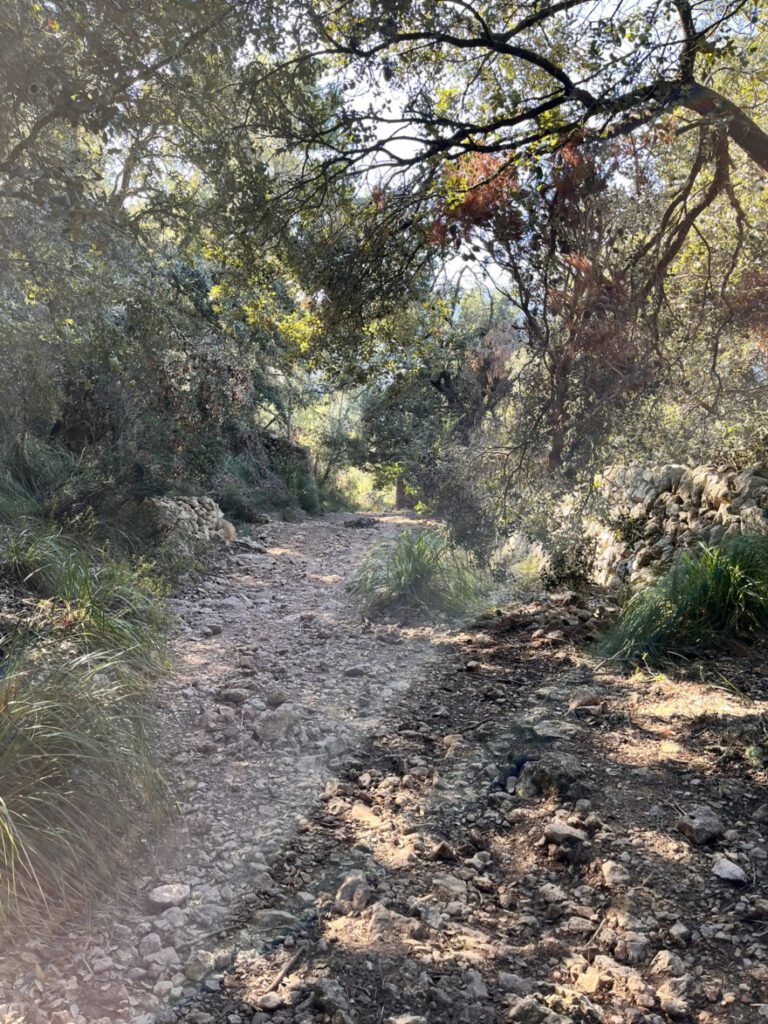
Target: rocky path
{"points": [[386, 827], [276, 677], [529, 837]]}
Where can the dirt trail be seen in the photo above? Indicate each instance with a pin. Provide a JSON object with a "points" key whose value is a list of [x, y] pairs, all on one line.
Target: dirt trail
{"points": [[525, 835], [276, 677], [528, 836]]}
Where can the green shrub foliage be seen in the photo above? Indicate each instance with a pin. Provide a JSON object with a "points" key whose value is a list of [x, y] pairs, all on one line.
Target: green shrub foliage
{"points": [[76, 771], [709, 596]]}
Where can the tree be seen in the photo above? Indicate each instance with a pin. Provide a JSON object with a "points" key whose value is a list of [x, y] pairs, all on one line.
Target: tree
{"points": [[445, 77]]}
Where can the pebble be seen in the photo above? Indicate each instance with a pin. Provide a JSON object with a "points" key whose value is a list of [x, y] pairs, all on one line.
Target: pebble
{"points": [[449, 884], [667, 962], [614, 874], [671, 996], [150, 944], [564, 835], [680, 933], [353, 894], [275, 698]]}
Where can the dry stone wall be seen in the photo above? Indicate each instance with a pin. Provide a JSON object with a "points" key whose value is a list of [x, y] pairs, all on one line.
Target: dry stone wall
{"points": [[654, 510], [190, 519]]}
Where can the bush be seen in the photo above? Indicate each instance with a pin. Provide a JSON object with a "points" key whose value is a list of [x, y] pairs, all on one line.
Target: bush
{"points": [[456, 489], [570, 560], [421, 573], [707, 597], [245, 488], [88, 598]]}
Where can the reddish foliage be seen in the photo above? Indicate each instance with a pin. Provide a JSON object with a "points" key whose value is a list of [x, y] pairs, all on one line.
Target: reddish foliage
{"points": [[481, 187]]}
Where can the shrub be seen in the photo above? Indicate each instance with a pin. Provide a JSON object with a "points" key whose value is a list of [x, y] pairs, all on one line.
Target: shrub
{"points": [[245, 488], [570, 560], [708, 596], [551, 516], [518, 564], [421, 573], [456, 489], [303, 488], [44, 481], [89, 598]]}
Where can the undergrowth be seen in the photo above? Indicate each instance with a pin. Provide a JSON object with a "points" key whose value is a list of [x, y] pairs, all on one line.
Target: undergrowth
{"points": [[710, 596], [81, 638], [420, 574]]}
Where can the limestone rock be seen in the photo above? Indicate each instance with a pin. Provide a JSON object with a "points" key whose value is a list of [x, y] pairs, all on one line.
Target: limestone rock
{"points": [[553, 774], [190, 519], [614, 874], [528, 1010], [330, 996], [671, 995], [729, 872], [567, 843], [171, 895], [270, 1001], [150, 944], [552, 729], [564, 835], [701, 825], [658, 509], [667, 962], [199, 965], [353, 894], [451, 885]]}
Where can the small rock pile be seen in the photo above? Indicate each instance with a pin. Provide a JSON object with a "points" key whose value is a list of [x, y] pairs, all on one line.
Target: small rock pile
{"points": [[555, 618], [190, 519], [657, 509]]}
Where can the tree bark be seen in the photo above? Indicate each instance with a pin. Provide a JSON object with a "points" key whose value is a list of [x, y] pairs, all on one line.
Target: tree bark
{"points": [[401, 498], [745, 132]]}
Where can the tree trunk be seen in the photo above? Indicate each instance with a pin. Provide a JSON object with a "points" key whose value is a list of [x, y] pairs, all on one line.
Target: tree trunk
{"points": [[401, 498]]}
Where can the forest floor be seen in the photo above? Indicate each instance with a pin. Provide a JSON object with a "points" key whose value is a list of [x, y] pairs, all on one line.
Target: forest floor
{"points": [[382, 825]]}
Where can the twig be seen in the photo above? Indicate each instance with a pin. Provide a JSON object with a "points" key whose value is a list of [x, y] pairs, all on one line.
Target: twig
{"points": [[286, 968], [476, 725], [594, 935]]}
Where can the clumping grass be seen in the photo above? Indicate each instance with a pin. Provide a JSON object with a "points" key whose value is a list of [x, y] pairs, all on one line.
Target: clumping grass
{"points": [[76, 767], [708, 596], [420, 574], [94, 600], [75, 771]]}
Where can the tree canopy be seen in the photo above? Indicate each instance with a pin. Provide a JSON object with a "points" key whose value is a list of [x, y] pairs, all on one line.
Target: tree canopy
{"points": [[212, 197]]}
